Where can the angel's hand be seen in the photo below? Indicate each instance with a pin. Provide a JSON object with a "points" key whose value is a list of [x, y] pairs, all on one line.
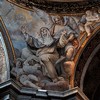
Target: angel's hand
{"points": [[63, 32]]}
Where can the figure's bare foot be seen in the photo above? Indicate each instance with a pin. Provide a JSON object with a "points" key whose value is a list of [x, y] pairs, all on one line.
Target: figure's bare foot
{"points": [[58, 79], [55, 80], [61, 79], [88, 35], [41, 85], [58, 86]]}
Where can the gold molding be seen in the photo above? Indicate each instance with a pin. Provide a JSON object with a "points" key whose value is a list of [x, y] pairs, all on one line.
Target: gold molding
{"points": [[8, 36], [79, 53]]}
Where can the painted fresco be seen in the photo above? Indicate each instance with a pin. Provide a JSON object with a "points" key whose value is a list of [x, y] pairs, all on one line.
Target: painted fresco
{"points": [[45, 45]]}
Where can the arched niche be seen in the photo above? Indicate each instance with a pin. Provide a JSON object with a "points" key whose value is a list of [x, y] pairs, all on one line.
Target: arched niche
{"points": [[6, 53]]}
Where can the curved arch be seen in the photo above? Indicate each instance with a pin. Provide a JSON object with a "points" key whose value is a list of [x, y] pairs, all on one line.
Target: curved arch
{"points": [[80, 61], [4, 61], [96, 93], [7, 54], [87, 64]]}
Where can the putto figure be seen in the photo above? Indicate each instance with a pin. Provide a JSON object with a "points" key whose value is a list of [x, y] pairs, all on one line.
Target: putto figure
{"points": [[87, 20]]}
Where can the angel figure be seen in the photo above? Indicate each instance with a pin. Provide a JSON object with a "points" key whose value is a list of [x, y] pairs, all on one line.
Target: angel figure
{"points": [[85, 24]]}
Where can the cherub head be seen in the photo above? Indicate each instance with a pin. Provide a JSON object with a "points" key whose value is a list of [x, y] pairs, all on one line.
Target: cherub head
{"points": [[88, 13], [32, 62], [59, 20], [19, 62]]}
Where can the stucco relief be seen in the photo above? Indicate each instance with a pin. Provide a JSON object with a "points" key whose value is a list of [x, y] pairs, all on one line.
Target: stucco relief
{"points": [[45, 45]]}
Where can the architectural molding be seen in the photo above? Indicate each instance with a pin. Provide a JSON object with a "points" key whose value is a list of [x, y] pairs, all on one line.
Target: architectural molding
{"points": [[65, 8], [18, 93], [7, 56], [87, 65], [7, 40], [84, 54]]}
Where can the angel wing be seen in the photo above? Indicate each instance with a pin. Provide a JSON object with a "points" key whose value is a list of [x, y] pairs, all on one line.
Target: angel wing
{"points": [[82, 19], [73, 25]]}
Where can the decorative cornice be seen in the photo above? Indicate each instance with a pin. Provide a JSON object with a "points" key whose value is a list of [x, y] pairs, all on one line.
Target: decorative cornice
{"points": [[59, 7], [11, 85]]}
